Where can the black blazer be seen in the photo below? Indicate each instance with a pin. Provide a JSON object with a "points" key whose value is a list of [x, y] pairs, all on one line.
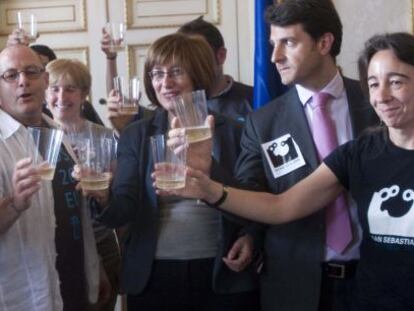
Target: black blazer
{"points": [[293, 251], [134, 202]]}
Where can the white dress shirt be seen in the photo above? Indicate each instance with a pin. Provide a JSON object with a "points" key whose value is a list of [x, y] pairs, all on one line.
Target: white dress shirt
{"points": [[28, 277]]}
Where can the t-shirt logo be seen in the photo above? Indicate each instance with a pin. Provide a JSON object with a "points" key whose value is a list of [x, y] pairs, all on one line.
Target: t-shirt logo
{"points": [[283, 155], [391, 212]]}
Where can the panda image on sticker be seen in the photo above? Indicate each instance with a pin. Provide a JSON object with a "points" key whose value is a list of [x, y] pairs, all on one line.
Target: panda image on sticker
{"points": [[282, 152]]}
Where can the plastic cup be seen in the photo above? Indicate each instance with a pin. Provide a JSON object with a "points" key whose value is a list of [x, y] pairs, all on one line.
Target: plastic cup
{"points": [[27, 24], [116, 32], [129, 93], [191, 110], [44, 146], [96, 154], [170, 166]]}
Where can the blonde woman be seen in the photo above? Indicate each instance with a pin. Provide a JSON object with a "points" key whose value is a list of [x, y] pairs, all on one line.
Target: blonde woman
{"points": [[69, 86]]}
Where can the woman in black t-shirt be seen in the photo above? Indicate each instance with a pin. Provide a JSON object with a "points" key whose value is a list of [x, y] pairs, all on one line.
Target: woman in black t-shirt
{"points": [[375, 169]]}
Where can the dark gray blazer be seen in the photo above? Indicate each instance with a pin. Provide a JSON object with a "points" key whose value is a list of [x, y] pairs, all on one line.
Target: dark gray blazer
{"points": [[134, 202], [294, 251]]}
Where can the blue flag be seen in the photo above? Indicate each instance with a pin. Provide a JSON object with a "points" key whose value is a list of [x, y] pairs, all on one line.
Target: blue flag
{"points": [[267, 84]]}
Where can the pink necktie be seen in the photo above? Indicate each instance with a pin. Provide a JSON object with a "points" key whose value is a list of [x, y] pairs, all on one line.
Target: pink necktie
{"points": [[338, 225]]}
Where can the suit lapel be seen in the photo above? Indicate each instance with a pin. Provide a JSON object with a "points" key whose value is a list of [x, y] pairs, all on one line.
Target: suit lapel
{"points": [[299, 128]]}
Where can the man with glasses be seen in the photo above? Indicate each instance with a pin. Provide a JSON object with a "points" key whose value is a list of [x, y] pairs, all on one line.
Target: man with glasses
{"points": [[47, 55], [51, 221], [28, 277]]}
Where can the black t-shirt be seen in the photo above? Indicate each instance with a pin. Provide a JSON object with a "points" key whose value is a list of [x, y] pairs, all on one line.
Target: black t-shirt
{"points": [[69, 239], [379, 176]]}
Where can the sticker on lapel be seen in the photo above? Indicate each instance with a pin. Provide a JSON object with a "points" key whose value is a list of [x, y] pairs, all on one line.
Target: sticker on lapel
{"points": [[283, 155]]}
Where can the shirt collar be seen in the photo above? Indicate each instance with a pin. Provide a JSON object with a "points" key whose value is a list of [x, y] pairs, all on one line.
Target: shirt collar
{"points": [[8, 125], [230, 82], [335, 87]]}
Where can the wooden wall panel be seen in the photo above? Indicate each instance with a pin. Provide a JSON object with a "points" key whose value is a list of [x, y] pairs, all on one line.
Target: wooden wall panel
{"points": [[53, 16], [79, 53], [169, 13], [73, 29]]}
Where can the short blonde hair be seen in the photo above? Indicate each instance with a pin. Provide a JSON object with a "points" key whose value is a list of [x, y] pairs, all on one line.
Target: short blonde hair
{"points": [[70, 71], [192, 53]]}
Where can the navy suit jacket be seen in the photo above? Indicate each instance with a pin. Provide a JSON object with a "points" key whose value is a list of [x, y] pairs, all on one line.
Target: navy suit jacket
{"points": [[134, 202], [294, 251]]}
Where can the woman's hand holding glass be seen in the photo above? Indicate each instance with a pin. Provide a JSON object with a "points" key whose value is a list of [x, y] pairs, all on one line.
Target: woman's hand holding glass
{"points": [[26, 32], [95, 164], [106, 45], [101, 196], [129, 94], [191, 110], [115, 39], [118, 119], [197, 185], [17, 37], [198, 153], [27, 26]]}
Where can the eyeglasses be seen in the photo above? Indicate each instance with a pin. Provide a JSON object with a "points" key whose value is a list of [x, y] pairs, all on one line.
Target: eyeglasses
{"points": [[159, 75], [31, 73]]}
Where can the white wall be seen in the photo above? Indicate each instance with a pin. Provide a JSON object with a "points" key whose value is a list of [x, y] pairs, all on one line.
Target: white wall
{"points": [[362, 19], [245, 35]]}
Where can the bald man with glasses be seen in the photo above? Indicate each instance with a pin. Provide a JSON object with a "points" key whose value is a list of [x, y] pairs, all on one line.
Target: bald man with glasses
{"points": [[45, 251], [28, 275]]}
